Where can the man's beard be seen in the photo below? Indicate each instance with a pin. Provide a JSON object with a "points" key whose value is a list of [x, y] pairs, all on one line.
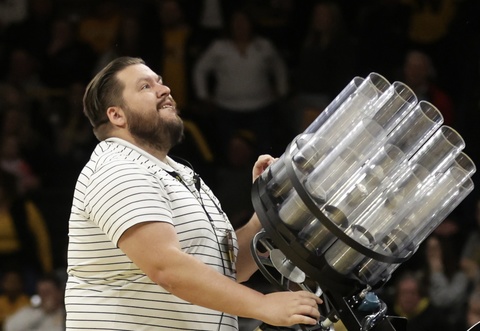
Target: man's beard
{"points": [[155, 131]]}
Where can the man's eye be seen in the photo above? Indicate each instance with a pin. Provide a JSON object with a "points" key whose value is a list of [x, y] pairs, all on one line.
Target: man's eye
{"points": [[145, 86]]}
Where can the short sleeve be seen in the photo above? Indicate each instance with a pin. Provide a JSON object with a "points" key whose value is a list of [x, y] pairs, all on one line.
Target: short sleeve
{"points": [[122, 194]]}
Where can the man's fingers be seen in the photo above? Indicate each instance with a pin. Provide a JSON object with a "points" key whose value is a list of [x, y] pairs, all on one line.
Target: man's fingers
{"points": [[304, 319]]}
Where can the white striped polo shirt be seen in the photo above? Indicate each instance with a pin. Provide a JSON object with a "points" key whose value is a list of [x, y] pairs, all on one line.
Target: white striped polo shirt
{"points": [[119, 187]]}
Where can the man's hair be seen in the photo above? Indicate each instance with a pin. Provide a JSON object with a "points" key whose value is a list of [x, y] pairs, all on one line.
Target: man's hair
{"points": [[105, 90]]}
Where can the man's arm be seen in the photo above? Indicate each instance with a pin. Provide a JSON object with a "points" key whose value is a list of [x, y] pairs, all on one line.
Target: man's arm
{"points": [[154, 248], [246, 266]]}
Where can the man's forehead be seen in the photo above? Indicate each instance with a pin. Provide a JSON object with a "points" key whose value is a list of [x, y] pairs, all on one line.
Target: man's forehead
{"points": [[136, 72]]}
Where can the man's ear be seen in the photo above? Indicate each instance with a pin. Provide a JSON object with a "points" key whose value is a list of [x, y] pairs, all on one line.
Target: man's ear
{"points": [[116, 115]]}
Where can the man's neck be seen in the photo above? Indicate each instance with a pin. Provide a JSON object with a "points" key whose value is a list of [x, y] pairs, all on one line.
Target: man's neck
{"points": [[151, 149], [156, 150]]}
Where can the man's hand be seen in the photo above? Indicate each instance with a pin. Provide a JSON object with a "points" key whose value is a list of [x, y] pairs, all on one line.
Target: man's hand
{"points": [[290, 308], [261, 164]]}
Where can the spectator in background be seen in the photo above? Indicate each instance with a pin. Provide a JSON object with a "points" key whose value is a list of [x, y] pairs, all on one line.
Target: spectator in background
{"points": [[75, 139], [25, 119], [12, 294], [283, 22], [70, 143], [100, 27], [208, 18], [23, 148], [49, 315], [12, 97], [12, 11], [447, 284], [33, 32], [325, 63], [420, 75], [412, 301], [23, 71], [429, 29], [249, 77], [430, 20], [25, 243], [470, 259], [12, 161], [66, 59], [133, 35]]}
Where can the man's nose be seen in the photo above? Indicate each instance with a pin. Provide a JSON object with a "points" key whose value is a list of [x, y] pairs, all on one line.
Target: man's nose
{"points": [[162, 90]]}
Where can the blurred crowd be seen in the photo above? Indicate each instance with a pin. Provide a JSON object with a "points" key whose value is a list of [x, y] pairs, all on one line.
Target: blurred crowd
{"points": [[248, 76]]}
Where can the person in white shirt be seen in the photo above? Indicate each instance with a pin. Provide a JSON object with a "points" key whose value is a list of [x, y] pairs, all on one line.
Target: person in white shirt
{"points": [[250, 78], [49, 315], [149, 246]]}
